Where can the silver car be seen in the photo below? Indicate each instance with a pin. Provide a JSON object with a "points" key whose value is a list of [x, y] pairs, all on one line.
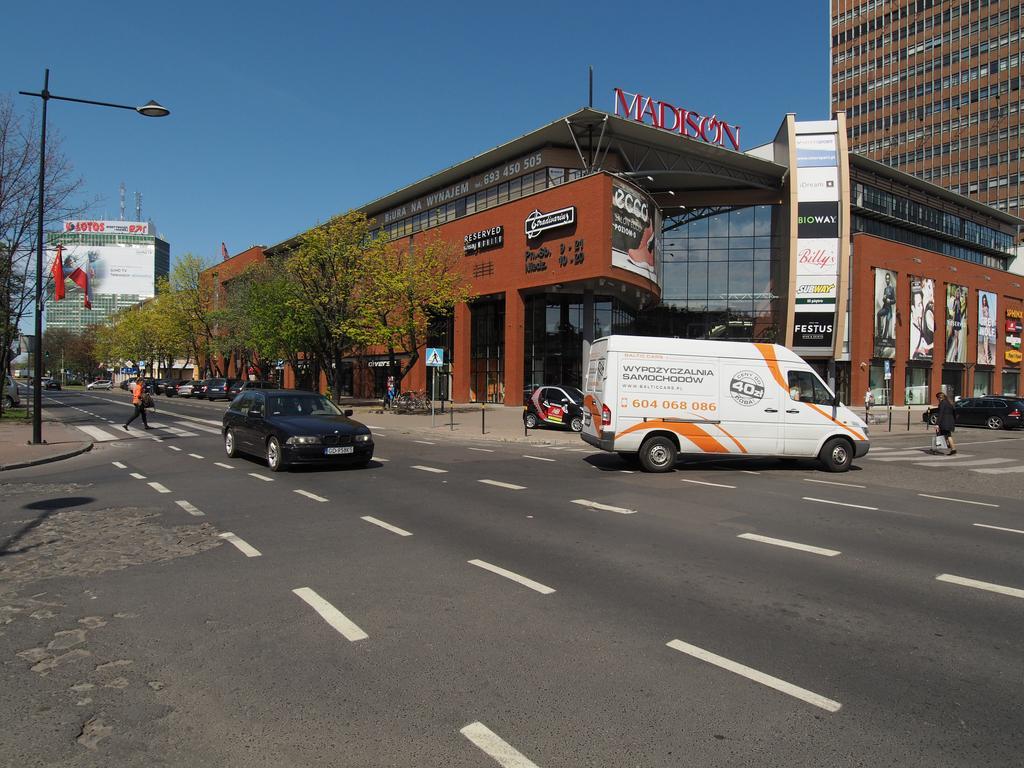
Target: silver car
{"points": [[100, 384], [10, 392], [186, 388]]}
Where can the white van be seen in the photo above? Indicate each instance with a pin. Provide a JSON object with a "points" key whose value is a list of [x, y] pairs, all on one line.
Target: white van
{"points": [[652, 398]]}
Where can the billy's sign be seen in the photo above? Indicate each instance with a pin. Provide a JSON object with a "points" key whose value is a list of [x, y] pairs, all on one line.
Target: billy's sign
{"points": [[663, 115]]}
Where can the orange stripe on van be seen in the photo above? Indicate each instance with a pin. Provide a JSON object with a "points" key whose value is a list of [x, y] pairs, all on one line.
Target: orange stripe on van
{"points": [[738, 443], [768, 353], [853, 432], [692, 432]]}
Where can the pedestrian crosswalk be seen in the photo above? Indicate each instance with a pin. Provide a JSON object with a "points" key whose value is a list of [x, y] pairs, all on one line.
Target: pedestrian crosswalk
{"points": [[923, 457], [158, 431]]}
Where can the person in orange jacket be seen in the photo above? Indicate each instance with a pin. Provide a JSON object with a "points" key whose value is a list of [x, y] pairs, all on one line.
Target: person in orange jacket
{"points": [[138, 400]]}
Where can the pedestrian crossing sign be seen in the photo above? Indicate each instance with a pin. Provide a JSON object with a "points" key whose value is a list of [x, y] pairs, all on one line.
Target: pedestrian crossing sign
{"points": [[435, 357]]}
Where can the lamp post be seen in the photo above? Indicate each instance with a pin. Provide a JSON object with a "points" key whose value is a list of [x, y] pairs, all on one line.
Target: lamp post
{"points": [[150, 109]]}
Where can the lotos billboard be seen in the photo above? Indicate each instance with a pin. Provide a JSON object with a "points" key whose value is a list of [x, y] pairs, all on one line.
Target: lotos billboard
{"points": [[636, 226]]}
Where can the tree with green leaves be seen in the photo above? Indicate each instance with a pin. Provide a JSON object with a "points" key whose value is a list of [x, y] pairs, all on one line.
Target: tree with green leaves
{"points": [[194, 307]]}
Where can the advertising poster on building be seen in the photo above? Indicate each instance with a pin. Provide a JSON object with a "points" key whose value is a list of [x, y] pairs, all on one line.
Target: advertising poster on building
{"points": [[1014, 324], [816, 150], [636, 225], [956, 323], [986, 328], [113, 269], [885, 313], [922, 318], [814, 329]]}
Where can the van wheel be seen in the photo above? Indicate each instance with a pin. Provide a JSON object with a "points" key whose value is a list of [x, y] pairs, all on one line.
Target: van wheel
{"points": [[657, 454], [837, 455], [530, 421], [576, 425]]}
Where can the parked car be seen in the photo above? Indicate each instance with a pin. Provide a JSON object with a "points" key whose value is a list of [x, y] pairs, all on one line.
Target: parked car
{"points": [[51, 384], [287, 427], [240, 385], [199, 390], [167, 387], [992, 412], [100, 384], [127, 384], [556, 406], [185, 389], [218, 389], [10, 392]]}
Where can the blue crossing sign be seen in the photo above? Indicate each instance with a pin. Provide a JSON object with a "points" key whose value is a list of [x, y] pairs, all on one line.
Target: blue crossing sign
{"points": [[435, 357]]}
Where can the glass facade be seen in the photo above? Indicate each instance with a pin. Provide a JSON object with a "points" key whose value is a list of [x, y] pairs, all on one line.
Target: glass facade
{"points": [[916, 386], [982, 383], [1011, 382], [487, 352], [718, 278]]}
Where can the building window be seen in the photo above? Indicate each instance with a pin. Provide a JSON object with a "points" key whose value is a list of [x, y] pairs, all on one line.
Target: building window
{"points": [[982, 383], [878, 384], [915, 391], [487, 352], [1011, 382]]}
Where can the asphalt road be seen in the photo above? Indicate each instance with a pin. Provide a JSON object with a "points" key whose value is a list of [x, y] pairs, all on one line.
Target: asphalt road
{"points": [[509, 604]]}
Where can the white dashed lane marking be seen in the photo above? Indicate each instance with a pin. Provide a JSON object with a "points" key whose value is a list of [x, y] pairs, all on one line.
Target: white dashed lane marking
{"points": [[534, 585], [499, 484], [997, 528], [958, 501], [482, 450], [424, 442], [244, 547], [702, 482], [789, 544], [760, 677], [119, 465], [339, 621], [264, 478], [195, 456], [833, 482], [492, 745], [309, 495], [537, 458], [159, 488], [137, 476], [175, 448], [387, 526], [430, 469], [984, 585], [839, 503], [192, 510], [222, 464], [603, 507]]}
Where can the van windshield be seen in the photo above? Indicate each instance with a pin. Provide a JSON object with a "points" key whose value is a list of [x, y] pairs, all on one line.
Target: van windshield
{"points": [[806, 387]]}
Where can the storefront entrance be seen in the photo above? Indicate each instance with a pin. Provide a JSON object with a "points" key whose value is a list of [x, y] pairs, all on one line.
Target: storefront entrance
{"points": [[487, 351]]}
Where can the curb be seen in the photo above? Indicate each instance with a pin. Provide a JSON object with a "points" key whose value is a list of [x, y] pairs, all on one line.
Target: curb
{"points": [[48, 459]]}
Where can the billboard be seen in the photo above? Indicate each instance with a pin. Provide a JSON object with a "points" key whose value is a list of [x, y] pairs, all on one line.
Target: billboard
{"points": [[1014, 324], [885, 313], [109, 227], [922, 318], [956, 323], [816, 150], [124, 269], [636, 224], [816, 184], [986, 328]]}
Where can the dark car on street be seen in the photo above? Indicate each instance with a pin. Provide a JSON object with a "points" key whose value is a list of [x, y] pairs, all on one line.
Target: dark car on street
{"points": [[217, 389], [555, 406], [51, 384], [199, 389], [288, 427], [993, 412], [241, 385], [165, 386]]}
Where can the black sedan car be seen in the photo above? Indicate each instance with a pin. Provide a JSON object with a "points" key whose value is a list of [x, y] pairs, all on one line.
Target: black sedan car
{"points": [[288, 427], [555, 406], [991, 412], [51, 384], [242, 385], [217, 389]]}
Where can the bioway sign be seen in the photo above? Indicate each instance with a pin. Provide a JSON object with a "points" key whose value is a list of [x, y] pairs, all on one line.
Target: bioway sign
{"points": [[663, 115]]}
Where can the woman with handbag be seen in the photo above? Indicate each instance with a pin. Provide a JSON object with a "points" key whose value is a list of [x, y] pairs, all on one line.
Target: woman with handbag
{"points": [[139, 401], [946, 424]]}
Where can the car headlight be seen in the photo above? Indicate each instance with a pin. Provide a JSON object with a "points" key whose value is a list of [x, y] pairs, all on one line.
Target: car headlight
{"points": [[363, 438], [303, 440]]}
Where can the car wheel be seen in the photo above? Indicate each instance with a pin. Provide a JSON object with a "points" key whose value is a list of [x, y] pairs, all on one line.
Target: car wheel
{"points": [[837, 455], [530, 420], [994, 422], [933, 419], [8, 402], [274, 458], [230, 446], [576, 425], [657, 454]]}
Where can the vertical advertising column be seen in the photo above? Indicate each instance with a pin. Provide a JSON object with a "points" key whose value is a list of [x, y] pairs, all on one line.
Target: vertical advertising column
{"points": [[818, 228]]}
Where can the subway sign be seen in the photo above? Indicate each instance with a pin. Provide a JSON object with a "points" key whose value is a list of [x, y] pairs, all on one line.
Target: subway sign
{"points": [[668, 117]]}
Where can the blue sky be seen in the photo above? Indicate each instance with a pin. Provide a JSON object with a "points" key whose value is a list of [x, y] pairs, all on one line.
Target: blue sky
{"points": [[284, 114]]}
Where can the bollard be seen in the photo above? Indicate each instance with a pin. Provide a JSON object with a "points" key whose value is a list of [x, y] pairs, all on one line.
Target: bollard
{"points": [[483, 419], [908, 418], [890, 418], [451, 419]]}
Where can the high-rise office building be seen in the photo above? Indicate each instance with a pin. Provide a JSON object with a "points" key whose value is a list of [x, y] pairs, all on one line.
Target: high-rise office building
{"points": [[933, 89], [123, 260]]}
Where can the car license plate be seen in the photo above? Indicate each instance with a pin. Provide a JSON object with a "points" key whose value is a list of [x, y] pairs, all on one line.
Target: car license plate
{"points": [[339, 449]]}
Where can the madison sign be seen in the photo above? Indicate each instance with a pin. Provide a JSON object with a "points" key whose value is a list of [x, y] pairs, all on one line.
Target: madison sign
{"points": [[663, 115], [538, 222]]}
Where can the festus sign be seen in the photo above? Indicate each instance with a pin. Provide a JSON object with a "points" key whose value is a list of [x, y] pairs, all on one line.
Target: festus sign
{"points": [[663, 115]]}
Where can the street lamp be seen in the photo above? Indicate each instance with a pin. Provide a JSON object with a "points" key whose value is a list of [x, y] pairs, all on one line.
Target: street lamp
{"points": [[151, 109]]}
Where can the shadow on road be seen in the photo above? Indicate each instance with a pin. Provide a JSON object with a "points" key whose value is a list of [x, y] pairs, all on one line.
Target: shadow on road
{"points": [[47, 508]]}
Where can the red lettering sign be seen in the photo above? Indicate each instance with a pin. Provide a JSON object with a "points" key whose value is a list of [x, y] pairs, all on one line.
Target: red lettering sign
{"points": [[685, 122]]}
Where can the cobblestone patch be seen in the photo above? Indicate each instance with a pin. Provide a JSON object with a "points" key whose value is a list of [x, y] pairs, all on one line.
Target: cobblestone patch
{"points": [[76, 543], [42, 489]]}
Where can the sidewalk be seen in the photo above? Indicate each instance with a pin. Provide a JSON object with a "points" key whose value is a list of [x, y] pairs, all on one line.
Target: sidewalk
{"points": [[490, 422], [61, 442]]}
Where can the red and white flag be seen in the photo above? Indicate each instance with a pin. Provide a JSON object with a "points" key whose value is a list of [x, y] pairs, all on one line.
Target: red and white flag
{"points": [[57, 270]]}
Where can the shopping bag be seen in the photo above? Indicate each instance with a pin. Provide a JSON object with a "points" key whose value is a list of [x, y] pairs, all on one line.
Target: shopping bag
{"points": [[939, 443]]}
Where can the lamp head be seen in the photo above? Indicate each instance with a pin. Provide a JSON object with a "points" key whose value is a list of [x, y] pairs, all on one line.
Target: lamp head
{"points": [[152, 109]]}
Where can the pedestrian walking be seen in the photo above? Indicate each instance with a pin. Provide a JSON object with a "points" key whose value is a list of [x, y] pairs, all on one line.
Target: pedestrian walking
{"points": [[946, 424], [139, 401], [869, 400]]}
